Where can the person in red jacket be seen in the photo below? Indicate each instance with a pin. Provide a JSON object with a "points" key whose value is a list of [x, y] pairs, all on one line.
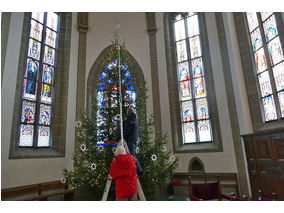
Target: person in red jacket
{"points": [[123, 171]]}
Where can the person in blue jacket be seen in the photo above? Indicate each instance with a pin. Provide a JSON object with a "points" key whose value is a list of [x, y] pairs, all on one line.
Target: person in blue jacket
{"points": [[130, 134]]}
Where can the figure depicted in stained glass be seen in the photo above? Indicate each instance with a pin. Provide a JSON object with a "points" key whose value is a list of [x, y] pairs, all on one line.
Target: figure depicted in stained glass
{"points": [[275, 51], [44, 119], [49, 55], [256, 39], [183, 71], [30, 87], [197, 68], [195, 47], [260, 60], [34, 49], [28, 116], [199, 87], [47, 74], [46, 91], [185, 90], [270, 28]]}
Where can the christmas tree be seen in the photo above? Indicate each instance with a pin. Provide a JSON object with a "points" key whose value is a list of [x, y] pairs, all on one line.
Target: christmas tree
{"points": [[98, 133]]}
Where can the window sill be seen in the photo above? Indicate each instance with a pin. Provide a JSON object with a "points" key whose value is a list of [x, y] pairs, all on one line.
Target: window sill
{"points": [[199, 147], [27, 153]]}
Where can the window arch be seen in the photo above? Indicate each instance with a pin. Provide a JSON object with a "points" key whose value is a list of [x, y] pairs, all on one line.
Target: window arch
{"points": [[196, 123], [189, 65], [38, 89], [268, 57]]}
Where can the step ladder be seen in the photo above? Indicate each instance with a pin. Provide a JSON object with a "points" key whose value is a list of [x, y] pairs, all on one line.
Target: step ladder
{"points": [[109, 180]]}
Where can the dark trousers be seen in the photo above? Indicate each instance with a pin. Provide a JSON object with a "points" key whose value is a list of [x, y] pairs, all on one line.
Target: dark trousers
{"points": [[132, 149]]}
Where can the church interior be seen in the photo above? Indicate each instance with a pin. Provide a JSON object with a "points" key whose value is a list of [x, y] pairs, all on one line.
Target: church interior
{"points": [[215, 88]]}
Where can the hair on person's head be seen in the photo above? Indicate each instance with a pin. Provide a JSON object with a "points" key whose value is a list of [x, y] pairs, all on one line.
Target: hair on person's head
{"points": [[120, 150]]}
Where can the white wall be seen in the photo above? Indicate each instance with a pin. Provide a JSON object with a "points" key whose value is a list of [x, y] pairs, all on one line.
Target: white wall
{"points": [[133, 28], [216, 161], [18, 172]]}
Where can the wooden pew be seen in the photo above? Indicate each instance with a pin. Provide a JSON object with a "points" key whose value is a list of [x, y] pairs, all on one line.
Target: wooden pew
{"points": [[40, 191]]}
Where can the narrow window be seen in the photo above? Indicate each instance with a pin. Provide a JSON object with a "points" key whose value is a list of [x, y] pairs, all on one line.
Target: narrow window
{"points": [[196, 123], [269, 63], [38, 86]]}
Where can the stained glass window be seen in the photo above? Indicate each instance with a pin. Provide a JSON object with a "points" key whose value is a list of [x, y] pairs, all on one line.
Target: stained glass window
{"points": [[196, 125], [269, 62], [38, 85], [108, 92]]}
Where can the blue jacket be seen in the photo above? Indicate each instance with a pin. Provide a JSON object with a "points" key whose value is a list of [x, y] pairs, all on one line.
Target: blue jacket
{"points": [[130, 129]]}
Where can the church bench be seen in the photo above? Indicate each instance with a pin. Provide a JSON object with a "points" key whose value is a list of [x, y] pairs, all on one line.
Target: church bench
{"points": [[40, 191]]}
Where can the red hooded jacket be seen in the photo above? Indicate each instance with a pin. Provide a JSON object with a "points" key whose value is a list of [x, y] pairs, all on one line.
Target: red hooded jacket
{"points": [[123, 171]]}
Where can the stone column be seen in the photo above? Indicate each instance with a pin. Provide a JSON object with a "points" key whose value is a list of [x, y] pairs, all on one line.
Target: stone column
{"points": [[152, 30]]}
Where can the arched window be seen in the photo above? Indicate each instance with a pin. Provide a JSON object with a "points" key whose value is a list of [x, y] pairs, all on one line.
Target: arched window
{"points": [[38, 86], [196, 122], [268, 57], [108, 99]]}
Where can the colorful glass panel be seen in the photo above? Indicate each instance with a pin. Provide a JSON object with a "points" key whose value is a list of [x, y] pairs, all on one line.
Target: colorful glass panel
{"points": [[194, 44], [185, 91], [260, 61], [38, 16], [100, 98], [187, 111], [204, 129], [264, 83], [264, 15], [46, 92], [128, 75], [252, 20], [197, 67], [281, 102], [49, 55], [45, 113], [189, 132], [269, 108], [181, 51], [50, 38], [275, 51], [34, 49], [36, 30], [43, 136], [256, 39], [183, 71], [28, 112], [52, 21], [270, 28], [26, 135], [199, 87], [30, 88], [32, 69], [179, 30], [278, 72], [192, 26], [48, 72], [202, 108]]}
